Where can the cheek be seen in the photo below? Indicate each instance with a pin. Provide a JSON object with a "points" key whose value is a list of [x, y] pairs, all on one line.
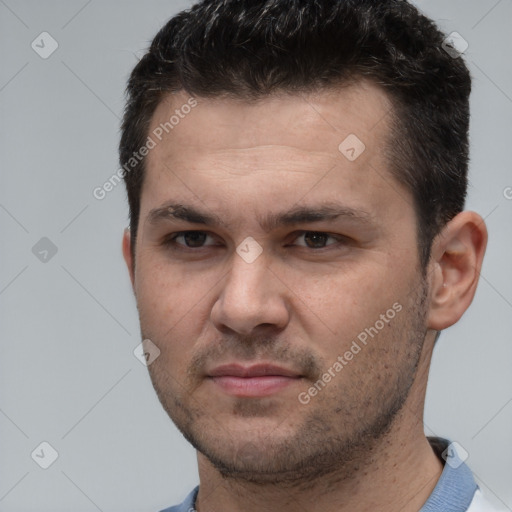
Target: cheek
{"points": [[344, 300], [353, 316], [170, 305]]}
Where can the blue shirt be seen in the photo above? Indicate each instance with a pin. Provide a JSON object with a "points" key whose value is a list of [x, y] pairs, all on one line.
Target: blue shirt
{"points": [[455, 491]]}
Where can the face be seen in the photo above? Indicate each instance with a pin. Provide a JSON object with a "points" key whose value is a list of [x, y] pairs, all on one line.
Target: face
{"points": [[277, 272]]}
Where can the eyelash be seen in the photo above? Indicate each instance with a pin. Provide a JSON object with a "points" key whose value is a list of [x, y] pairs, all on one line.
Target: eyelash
{"points": [[170, 241]]}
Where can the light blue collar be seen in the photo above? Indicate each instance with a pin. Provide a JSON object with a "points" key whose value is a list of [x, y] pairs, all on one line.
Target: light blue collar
{"points": [[454, 490], [456, 487]]}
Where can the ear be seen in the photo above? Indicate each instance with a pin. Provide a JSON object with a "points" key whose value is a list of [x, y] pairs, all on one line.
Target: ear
{"points": [[455, 264], [127, 254]]}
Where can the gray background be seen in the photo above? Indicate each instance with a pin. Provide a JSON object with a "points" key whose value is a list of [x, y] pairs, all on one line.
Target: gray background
{"points": [[69, 324]]}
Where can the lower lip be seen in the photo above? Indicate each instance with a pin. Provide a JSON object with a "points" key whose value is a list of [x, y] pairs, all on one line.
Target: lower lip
{"points": [[253, 386]]}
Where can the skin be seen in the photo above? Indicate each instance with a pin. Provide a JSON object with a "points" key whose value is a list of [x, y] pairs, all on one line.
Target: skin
{"points": [[359, 443]]}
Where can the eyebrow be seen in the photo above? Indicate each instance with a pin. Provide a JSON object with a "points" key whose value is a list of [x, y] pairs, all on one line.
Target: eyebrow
{"points": [[176, 211], [298, 215]]}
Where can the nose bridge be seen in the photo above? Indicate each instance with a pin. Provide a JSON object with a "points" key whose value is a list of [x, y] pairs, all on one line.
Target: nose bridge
{"points": [[250, 296], [247, 281]]}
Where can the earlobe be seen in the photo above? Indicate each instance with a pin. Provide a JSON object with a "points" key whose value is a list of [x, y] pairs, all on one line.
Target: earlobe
{"points": [[127, 254], [457, 255]]}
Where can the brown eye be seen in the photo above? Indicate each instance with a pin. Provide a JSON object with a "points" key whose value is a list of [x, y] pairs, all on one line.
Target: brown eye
{"points": [[194, 238], [189, 240], [316, 240]]}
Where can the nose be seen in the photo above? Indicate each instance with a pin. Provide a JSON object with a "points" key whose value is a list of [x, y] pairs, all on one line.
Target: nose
{"points": [[251, 298]]}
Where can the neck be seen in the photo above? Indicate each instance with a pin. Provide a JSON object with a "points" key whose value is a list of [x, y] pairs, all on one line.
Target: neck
{"points": [[400, 473]]}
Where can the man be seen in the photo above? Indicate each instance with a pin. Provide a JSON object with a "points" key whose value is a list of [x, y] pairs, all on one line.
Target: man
{"points": [[296, 175]]}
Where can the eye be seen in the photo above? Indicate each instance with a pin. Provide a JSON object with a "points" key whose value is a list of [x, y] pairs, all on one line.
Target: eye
{"points": [[189, 239], [318, 239]]}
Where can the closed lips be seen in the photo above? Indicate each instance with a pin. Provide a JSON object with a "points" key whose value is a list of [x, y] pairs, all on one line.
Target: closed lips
{"points": [[260, 370]]}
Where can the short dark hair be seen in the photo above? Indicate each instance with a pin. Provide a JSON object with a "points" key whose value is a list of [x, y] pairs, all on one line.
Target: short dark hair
{"points": [[248, 49]]}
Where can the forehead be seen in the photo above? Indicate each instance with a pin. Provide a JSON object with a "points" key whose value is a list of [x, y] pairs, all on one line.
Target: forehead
{"points": [[311, 121], [208, 150]]}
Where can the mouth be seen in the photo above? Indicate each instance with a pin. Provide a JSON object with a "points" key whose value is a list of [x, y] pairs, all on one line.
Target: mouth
{"points": [[252, 381]]}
